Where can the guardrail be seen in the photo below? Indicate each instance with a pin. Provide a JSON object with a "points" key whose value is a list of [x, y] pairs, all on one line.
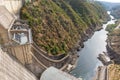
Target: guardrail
{"points": [[55, 57], [48, 61]]}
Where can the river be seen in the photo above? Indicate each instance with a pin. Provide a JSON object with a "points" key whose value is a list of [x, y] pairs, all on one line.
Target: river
{"points": [[88, 62]]}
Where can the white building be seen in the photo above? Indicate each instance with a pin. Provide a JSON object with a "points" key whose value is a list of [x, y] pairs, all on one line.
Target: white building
{"points": [[55, 74]]}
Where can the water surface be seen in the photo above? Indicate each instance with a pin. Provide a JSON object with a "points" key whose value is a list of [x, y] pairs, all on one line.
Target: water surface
{"points": [[88, 62]]}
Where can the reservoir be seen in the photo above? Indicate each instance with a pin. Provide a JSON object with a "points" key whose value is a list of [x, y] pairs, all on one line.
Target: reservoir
{"points": [[88, 62]]}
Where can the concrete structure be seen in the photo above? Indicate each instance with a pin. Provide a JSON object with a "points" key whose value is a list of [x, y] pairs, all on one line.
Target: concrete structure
{"points": [[16, 36], [10, 69], [39, 54], [55, 74], [102, 73], [16, 39], [6, 21], [20, 32], [13, 6]]}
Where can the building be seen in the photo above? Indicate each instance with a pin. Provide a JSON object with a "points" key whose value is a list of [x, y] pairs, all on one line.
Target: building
{"points": [[54, 74]]}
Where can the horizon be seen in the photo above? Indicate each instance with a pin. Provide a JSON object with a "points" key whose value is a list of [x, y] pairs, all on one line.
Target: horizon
{"points": [[111, 1]]}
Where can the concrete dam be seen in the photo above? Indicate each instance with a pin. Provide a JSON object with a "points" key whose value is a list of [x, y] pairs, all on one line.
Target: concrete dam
{"points": [[12, 5], [10, 69], [20, 57]]}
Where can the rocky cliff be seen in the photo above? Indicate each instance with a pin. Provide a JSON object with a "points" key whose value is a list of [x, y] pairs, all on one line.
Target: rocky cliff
{"points": [[113, 47]]}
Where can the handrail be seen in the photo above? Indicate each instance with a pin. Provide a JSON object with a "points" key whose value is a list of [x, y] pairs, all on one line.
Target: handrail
{"points": [[39, 48], [49, 58], [62, 68], [38, 61], [52, 60]]}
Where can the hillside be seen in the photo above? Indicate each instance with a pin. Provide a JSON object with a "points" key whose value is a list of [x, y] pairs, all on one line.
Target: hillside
{"points": [[113, 7], [116, 12], [58, 25], [114, 53], [109, 5]]}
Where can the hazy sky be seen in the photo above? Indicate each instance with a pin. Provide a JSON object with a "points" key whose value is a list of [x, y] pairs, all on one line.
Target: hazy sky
{"points": [[110, 0]]}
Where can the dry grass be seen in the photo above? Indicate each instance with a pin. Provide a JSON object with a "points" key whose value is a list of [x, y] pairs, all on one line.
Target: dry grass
{"points": [[114, 72]]}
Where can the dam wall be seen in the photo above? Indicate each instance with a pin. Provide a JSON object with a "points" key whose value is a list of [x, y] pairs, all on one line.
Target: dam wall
{"points": [[13, 6], [10, 69]]}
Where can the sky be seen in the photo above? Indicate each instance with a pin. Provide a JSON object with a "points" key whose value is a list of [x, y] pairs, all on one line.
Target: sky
{"points": [[115, 1]]}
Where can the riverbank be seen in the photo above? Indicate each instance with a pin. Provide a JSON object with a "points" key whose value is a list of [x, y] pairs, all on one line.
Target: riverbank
{"points": [[101, 73], [113, 48], [80, 44], [114, 72], [48, 62], [88, 62], [113, 43]]}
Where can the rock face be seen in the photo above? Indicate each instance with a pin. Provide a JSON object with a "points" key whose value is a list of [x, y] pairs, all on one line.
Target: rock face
{"points": [[113, 45], [10, 69]]}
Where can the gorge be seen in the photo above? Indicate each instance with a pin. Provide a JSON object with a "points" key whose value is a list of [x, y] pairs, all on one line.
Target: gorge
{"points": [[59, 28], [88, 62]]}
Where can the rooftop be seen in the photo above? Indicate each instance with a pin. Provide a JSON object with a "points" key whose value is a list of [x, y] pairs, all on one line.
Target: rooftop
{"points": [[55, 74]]}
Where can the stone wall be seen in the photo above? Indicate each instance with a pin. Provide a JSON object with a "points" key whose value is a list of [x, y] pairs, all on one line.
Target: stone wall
{"points": [[10, 69]]}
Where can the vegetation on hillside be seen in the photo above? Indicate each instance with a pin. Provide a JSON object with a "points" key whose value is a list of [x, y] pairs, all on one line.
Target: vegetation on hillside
{"points": [[57, 25], [116, 12], [113, 7], [114, 71], [110, 28], [91, 13], [109, 5], [113, 49]]}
